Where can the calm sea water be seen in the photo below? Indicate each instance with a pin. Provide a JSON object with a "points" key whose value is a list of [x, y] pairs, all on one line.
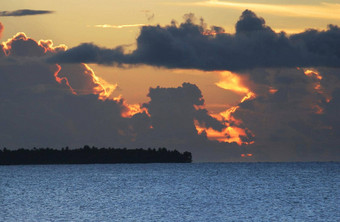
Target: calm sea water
{"points": [[171, 192]]}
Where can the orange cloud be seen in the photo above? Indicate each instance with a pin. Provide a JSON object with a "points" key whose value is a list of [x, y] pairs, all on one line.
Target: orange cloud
{"points": [[102, 88], [230, 134], [80, 78], [1, 29], [233, 82]]}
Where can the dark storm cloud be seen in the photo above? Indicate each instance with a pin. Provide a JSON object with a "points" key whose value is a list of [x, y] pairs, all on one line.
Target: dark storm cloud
{"points": [[24, 12], [190, 45], [297, 122]]}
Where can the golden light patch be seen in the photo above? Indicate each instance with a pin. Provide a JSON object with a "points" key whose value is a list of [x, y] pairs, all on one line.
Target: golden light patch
{"points": [[232, 132], [103, 89], [133, 109], [231, 81]]}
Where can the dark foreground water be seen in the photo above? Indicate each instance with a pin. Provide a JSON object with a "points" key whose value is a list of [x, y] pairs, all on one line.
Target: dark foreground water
{"points": [[171, 192]]}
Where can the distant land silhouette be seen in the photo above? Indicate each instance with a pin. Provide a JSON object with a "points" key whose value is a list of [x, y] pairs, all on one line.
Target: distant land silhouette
{"points": [[91, 155]]}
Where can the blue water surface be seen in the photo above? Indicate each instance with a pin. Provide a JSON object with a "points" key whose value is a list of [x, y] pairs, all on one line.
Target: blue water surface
{"points": [[171, 192]]}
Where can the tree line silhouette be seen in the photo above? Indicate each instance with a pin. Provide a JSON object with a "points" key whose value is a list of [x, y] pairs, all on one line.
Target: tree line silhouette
{"points": [[91, 155]]}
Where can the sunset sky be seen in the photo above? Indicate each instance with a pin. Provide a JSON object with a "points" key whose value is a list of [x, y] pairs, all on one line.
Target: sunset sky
{"points": [[225, 80]]}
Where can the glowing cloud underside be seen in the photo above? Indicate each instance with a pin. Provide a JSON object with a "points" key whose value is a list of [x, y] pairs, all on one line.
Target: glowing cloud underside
{"points": [[232, 131], [103, 89], [133, 109], [1, 29], [99, 87], [231, 81]]}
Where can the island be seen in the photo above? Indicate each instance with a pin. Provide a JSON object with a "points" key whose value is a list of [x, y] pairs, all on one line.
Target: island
{"points": [[91, 155]]}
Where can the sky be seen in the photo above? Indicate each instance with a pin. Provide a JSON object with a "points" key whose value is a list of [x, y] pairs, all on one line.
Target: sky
{"points": [[225, 80]]}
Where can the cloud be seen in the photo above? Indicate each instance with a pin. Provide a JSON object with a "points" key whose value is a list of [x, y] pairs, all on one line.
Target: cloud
{"points": [[193, 46], [293, 121], [323, 10], [90, 53], [173, 116], [177, 105], [24, 12]]}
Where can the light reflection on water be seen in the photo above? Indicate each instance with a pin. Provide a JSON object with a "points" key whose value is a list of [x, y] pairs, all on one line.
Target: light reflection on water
{"points": [[171, 192]]}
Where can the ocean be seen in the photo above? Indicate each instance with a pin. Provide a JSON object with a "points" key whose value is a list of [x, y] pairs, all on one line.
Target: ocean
{"points": [[171, 192]]}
